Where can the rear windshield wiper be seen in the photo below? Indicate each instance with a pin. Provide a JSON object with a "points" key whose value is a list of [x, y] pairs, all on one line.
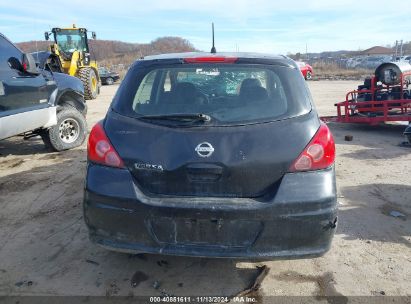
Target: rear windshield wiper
{"points": [[179, 117]]}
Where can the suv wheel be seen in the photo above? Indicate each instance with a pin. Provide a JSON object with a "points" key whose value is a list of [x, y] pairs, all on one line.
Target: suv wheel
{"points": [[70, 131], [109, 81]]}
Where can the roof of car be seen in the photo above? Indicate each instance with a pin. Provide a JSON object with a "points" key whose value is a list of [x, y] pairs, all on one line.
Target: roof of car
{"points": [[206, 54]]}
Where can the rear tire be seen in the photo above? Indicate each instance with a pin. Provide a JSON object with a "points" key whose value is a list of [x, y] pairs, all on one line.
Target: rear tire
{"points": [[308, 76], [90, 82], [109, 81], [69, 132]]}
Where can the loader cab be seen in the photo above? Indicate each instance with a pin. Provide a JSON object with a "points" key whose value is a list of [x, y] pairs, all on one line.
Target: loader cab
{"points": [[71, 40]]}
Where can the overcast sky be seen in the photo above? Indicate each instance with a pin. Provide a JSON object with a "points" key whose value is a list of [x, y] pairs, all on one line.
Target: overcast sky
{"points": [[260, 25]]}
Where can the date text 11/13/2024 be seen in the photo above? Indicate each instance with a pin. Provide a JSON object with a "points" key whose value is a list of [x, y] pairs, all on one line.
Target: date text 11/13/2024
{"points": [[202, 299]]}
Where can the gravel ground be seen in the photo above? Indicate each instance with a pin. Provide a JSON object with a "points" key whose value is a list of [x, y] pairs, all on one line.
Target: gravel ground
{"points": [[44, 247]]}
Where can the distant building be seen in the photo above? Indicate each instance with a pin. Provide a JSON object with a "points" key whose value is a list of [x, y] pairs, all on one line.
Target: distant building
{"points": [[376, 51]]}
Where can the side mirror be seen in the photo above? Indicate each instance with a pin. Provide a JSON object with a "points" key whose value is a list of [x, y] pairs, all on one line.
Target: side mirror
{"points": [[15, 64], [93, 34], [46, 35], [29, 64]]}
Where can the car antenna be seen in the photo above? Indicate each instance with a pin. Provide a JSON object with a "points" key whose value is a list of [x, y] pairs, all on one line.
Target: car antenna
{"points": [[213, 49]]}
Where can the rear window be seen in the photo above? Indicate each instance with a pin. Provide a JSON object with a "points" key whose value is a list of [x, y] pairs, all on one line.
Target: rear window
{"points": [[228, 93]]}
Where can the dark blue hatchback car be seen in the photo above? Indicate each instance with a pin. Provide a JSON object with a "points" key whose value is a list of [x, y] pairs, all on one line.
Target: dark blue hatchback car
{"points": [[217, 155]]}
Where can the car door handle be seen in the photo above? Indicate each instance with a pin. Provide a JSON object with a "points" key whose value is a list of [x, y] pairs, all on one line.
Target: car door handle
{"points": [[204, 172], [204, 168]]}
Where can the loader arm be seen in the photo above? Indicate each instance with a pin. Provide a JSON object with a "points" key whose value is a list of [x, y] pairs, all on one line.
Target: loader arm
{"points": [[73, 68]]}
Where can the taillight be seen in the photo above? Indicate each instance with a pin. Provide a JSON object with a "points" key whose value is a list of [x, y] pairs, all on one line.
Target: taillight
{"points": [[318, 154], [211, 59], [100, 150]]}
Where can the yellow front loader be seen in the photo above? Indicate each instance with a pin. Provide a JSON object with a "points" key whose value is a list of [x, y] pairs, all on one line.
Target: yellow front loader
{"points": [[71, 46]]}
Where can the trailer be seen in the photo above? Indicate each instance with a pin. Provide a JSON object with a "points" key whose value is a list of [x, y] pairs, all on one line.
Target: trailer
{"points": [[384, 97]]}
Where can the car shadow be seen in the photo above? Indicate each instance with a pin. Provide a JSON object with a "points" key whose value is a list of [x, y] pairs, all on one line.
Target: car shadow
{"points": [[376, 212], [17, 145]]}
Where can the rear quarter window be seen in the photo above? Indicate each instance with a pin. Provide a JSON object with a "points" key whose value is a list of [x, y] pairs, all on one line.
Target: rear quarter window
{"points": [[229, 93]]}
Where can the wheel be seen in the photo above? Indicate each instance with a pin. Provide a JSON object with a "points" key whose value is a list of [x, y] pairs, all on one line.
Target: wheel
{"points": [[308, 76], [90, 82], [109, 81], [69, 132]]}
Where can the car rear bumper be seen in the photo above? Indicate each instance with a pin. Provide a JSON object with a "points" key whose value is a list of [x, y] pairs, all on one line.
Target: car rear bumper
{"points": [[298, 221]]}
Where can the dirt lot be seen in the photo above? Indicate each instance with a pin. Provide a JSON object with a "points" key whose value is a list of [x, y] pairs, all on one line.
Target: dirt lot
{"points": [[44, 247]]}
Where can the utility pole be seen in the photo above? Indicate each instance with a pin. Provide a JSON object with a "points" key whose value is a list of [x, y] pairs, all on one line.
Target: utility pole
{"points": [[401, 48], [398, 49]]}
